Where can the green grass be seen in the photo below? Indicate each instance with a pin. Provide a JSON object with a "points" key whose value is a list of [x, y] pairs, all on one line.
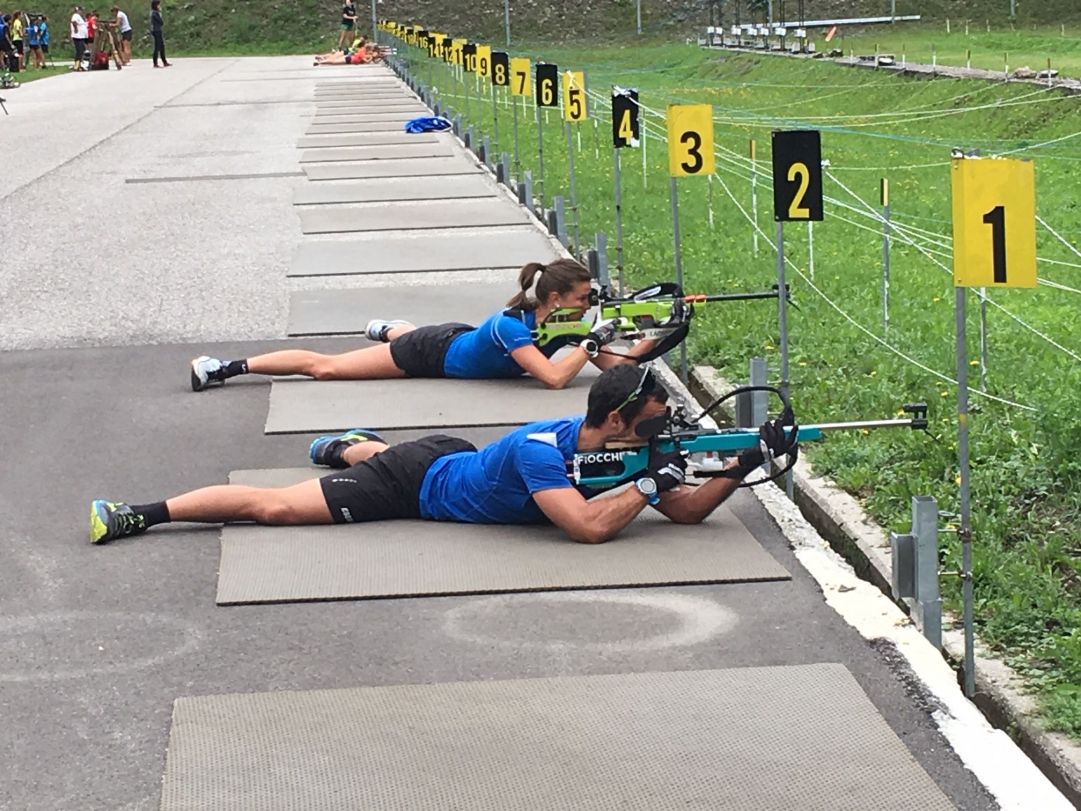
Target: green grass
{"points": [[32, 75], [1026, 467]]}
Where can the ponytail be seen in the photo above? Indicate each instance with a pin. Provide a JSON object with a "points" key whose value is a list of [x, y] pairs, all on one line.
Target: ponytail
{"points": [[560, 276]]}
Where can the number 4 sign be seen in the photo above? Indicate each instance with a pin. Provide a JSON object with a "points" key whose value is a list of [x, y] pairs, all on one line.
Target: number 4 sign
{"points": [[994, 222]]}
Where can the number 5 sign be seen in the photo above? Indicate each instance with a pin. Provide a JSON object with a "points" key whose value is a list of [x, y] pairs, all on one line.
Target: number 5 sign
{"points": [[797, 175], [994, 222], [574, 96], [690, 140]]}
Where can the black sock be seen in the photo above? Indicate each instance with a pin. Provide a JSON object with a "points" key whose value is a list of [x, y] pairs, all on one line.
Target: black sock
{"points": [[156, 513], [234, 368]]}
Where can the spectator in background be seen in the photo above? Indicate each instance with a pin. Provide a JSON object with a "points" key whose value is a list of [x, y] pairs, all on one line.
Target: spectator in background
{"points": [[18, 39], [91, 28], [156, 31], [7, 52], [123, 26], [349, 22], [33, 41], [78, 36], [43, 28]]}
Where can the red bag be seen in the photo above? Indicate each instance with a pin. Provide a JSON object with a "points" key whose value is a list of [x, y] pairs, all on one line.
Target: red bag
{"points": [[100, 61]]}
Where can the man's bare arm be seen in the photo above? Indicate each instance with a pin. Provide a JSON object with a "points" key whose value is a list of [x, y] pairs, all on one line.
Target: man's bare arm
{"points": [[594, 521], [692, 505]]}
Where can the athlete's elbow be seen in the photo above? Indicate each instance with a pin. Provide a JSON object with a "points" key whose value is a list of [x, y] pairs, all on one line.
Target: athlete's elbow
{"points": [[590, 535]]}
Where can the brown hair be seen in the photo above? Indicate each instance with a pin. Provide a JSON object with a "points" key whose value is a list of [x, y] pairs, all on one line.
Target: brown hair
{"points": [[560, 277]]}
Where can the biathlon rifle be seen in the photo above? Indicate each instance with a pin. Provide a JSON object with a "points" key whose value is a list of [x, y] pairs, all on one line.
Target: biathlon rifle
{"points": [[675, 431], [660, 312]]}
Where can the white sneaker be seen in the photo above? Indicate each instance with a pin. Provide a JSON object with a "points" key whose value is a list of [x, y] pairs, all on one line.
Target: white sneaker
{"points": [[204, 371], [377, 329]]}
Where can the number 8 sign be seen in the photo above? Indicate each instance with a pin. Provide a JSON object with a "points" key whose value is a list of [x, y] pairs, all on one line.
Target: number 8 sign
{"points": [[994, 222], [690, 140]]}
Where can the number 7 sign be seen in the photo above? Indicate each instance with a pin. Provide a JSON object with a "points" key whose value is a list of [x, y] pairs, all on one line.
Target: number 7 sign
{"points": [[994, 222]]}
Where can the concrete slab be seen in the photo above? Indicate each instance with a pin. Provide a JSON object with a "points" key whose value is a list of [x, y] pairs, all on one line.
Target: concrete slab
{"points": [[365, 139], [307, 406], [373, 105], [457, 165], [411, 216], [754, 738], [387, 92], [345, 312], [427, 559], [440, 187], [412, 253], [351, 125], [431, 149]]}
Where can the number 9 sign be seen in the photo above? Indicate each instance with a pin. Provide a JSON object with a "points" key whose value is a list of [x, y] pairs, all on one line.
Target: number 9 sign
{"points": [[797, 175], [690, 140]]}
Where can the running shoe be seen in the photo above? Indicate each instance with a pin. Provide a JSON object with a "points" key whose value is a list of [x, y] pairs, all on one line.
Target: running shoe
{"points": [[206, 370], [110, 520], [323, 446], [377, 329]]}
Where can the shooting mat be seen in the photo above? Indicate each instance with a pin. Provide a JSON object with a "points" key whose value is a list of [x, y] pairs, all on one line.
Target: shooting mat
{"points": [[374, 190], [411, 216], [456, 165], [419, 149]]}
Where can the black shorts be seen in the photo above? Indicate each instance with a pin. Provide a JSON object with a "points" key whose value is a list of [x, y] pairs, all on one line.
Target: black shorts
{"points": [[388, 484], [420, 352], [44, 48], [126, 35]]}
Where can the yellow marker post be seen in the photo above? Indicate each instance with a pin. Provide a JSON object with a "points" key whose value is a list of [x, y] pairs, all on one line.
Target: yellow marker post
{"points": [[994, 245], [994, 222], [690, 140]]}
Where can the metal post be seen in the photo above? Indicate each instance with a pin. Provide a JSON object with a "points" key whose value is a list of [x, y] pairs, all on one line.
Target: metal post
{"points": [[811, 249], [782, 309], [506, 18], [964, 534], [514, 115], [928, 602], [525, 190], [495, 116], [638, 12], [574, 192], [709, 199], [754, 196], [561, 220], [375, 25], [673, 193], [983, 337], [644, 130], [618, 183], [540, 155], [885, 195], [603, 276], [465, 92]]}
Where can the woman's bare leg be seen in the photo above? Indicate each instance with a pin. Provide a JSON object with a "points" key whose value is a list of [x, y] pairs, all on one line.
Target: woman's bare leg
{"points": [[370, 363], [300, 504]]}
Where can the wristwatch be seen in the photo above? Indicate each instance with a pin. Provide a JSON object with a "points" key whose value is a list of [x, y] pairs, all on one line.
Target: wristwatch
{"points": [[590, 346], [648, 488]]}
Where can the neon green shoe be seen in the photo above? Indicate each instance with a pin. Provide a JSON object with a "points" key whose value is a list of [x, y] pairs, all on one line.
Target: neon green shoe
{"points": [[110, 520]]}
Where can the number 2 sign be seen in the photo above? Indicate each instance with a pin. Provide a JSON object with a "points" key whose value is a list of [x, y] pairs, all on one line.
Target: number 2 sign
{"points": [[994, 222], [797, 175]]}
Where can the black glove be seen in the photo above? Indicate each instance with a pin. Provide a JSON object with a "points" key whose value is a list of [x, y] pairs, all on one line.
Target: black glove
{"points": [[604, 332], [772, 440], [668, 469]]}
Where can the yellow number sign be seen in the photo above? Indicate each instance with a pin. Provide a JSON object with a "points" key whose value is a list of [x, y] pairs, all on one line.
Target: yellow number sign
{"points": [[690, 140], [519, 77], [574, 96], [456, 50], [994, 222], [484, 60]]}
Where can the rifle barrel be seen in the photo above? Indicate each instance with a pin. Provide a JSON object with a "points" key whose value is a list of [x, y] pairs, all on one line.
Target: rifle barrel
{"points": [[694, 299]]}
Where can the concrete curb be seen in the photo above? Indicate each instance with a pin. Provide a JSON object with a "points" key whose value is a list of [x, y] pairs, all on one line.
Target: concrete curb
{"points": [[1000, 692]]}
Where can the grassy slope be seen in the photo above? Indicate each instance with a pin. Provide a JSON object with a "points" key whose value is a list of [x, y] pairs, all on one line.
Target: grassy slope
{"points": [[1026, 470]]}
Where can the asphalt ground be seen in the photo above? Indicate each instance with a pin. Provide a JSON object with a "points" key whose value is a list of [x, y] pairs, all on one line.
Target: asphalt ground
{"points": [[97, 642]]}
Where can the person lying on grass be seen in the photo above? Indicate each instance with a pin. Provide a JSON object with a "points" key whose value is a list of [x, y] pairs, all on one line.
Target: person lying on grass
{"points": [[519, 479], [503, 346]]}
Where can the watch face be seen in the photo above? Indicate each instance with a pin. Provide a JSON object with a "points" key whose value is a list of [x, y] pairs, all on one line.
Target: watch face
{"points": [[647, 487]]}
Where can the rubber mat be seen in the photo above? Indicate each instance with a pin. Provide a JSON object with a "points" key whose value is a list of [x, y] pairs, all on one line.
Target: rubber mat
{"points": [[346, 312], [423, 251], [411, 216], [456, 165], [434, 149], [427, 558], [306, 406], [375, 190], [364, 139], [371, 106], [747, 739], [351, 124]]}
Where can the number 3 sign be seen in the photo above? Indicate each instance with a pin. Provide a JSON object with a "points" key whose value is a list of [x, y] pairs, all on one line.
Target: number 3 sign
{"points": [[797, 175], [690, 140], [994, 222]]}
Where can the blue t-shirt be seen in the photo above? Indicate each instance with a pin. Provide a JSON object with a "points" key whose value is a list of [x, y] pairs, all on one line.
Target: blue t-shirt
{"points": [[495, 485], [44, 33], [33, 37], [484, 352]]}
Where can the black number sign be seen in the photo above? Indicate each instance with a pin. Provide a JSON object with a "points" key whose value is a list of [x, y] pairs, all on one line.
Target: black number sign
{"points": [[625, 127], [500, 69], [797, 175], [547, 85], [469, 57]]}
